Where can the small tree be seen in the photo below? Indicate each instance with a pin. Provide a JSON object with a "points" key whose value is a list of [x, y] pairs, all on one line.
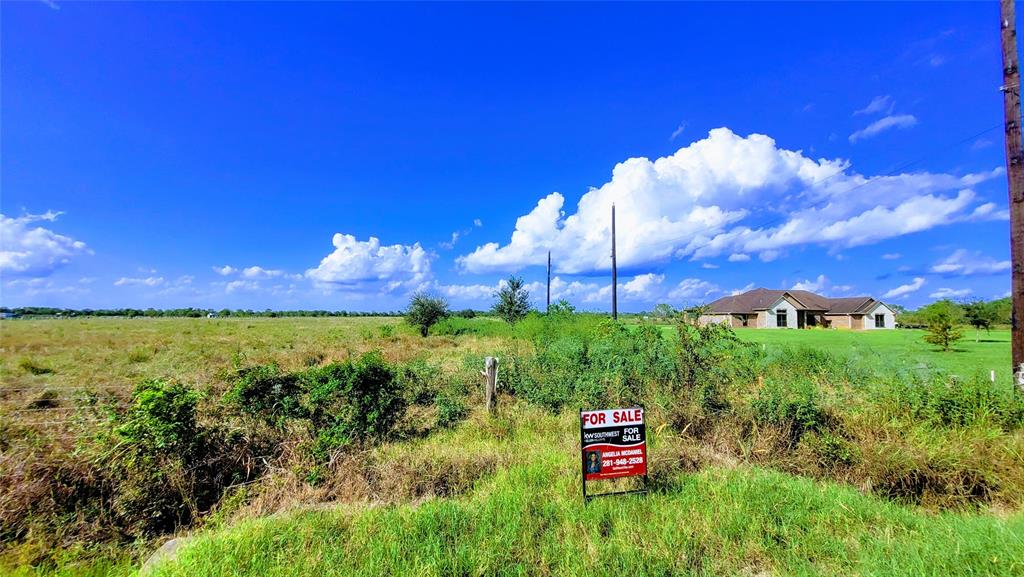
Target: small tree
{"points": [[561, 308], [980, 315], [425, 310], [943, 318], [664, 311], [513, 300]]}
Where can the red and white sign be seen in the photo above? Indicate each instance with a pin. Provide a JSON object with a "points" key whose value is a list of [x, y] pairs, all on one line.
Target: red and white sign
{"points": [[614, 443], [611, 417]]}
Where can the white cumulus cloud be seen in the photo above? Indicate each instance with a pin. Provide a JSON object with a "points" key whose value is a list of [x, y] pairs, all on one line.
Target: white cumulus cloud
{"points": [[693, 205], [34, 251], [816, 285], [368, 265], [642, 287], [692, 289]]}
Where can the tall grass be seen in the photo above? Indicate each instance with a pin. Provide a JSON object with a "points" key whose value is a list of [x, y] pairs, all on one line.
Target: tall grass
{"points": [[373, 413], [528, 519]]}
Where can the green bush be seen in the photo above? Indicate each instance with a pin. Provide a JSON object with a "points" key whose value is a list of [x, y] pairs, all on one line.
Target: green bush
{"points": [[266, 392], [357, 401], [948, 401], [711, 355], [169, 468], [832, 450], [452, 327], [583, 361], [451, 408], [790, 403], [162, 418], [420, 380], [512, 300]]}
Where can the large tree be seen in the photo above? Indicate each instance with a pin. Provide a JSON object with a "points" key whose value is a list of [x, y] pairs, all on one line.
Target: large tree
{"points": [[981, 315], [513, 300], [425, 310]]}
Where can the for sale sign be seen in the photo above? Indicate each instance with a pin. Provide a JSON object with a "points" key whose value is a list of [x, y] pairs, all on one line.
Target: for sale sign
{"points": [[614, 443]]}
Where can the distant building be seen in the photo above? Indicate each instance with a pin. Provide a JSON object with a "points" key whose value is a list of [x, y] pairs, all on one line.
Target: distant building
{"points": [[775, 309], [8, 316], [211, 315]]}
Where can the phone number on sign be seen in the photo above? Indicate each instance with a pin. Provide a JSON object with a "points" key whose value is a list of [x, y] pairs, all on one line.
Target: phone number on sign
{"points": [[620, 462]]}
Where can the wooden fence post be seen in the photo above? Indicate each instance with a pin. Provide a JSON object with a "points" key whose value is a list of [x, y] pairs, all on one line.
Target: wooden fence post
{"points": [[490, 372]]}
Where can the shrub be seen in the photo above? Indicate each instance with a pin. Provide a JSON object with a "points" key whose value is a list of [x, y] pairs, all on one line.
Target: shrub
{"points": [[162, 418], [171, 468], [387, 332], [451, 326], [948, 401], [355, 402], [425, 311], [794, 404], [582, 361], [139, 355], [832, 450], [419, 379], [451, 408], [266, 392], [561, 308], [710, 355]]}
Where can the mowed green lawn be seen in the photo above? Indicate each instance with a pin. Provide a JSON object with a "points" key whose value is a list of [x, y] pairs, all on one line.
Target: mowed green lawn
{"points": [[902, 348]]}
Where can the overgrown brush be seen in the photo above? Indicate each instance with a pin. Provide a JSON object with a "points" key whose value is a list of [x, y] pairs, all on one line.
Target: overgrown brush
{"points": [[365, 428]]}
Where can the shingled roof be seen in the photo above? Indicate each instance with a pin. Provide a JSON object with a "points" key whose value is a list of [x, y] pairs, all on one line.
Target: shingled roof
{"points": [[760, 299], [849, 305]]}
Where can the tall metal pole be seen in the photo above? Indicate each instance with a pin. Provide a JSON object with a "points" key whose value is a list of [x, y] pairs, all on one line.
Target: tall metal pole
{"points": [[549, 282], [615, 273], [1015, 177]]}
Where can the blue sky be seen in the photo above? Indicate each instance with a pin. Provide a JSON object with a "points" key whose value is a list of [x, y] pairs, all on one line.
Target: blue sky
{"points": [[342, 156]]}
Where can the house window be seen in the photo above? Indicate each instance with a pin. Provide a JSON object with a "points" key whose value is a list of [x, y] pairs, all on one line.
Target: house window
{"points": [[879, 321], [781, 318]]}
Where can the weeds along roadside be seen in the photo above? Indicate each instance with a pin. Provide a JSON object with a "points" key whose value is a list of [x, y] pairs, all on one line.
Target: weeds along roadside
{"points": [[369, 429]]}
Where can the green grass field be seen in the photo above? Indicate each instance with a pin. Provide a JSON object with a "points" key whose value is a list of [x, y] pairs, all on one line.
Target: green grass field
{"points": [[904, 348]]}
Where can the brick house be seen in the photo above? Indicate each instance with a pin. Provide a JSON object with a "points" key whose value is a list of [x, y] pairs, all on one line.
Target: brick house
{"points": [[770, 309]]}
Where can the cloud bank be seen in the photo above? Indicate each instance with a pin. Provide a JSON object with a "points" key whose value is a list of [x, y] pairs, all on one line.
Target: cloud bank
{"points": [[703, 201]]}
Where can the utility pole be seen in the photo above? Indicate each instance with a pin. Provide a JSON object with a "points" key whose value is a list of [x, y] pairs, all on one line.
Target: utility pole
{"points": [[615, 273], [1015, 177], [549, 282]]}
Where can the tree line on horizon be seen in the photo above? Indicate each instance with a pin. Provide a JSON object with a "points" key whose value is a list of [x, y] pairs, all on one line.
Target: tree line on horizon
{"points": [[978, 313]]}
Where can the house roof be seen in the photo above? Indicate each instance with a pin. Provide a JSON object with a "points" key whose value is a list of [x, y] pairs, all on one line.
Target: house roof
{"points": [[760, 299], [750, 301], [849, 305]]}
